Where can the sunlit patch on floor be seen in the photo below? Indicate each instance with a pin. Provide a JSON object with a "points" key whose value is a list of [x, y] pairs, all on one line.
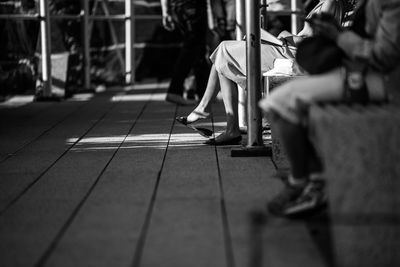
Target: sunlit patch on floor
{"points": [[139, 97], [81, 97], [147, 86], [17, 101], [153, 141]]}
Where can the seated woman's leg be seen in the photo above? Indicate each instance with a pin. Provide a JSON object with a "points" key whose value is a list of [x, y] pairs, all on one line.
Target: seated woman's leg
{"points": [[229, 93], [204, 107]]}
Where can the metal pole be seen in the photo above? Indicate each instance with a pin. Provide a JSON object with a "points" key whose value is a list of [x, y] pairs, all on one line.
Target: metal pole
{"points": [[253, 63], [294, 16], [129, 41], [86, 44], [46, 47], [264, 21], [240, 33]]}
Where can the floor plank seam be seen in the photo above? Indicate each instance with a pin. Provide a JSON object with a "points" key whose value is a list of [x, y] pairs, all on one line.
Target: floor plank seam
{"points": [[37, 179], [230, 259], [146, 224], [46, 255], [41, 135]]}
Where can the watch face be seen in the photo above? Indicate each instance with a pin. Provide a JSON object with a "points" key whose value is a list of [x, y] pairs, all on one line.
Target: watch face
{"points": [[355, 80]]}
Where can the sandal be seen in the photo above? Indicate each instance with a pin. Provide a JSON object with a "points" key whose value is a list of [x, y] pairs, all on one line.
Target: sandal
{"points": [[200, 130]]}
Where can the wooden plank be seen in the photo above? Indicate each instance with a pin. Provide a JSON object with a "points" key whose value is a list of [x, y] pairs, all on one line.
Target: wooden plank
{"points": [[247, 185], [106, 231], [37, 117], [37, 157], [186, 228], [29, 230]]}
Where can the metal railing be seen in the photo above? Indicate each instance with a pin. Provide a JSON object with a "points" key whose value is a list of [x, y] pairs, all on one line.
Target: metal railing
{"points": [[45, 29]]}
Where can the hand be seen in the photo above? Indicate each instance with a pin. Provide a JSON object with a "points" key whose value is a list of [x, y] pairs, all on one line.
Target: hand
{"points": [[325, 25], [326, 29], [168, 23]]}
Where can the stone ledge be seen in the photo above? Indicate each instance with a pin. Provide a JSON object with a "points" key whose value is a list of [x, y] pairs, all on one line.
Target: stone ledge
{"points": [[360, 150]]}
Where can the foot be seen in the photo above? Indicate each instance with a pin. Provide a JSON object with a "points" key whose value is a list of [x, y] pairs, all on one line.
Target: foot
{"points": [[312, 199], [289, 194], [194, 116], [225, 140], [197, 115], [179, 100]]}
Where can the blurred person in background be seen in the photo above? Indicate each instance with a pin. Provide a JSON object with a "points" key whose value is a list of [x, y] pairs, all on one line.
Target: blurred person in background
{"points": [[190, 18]]}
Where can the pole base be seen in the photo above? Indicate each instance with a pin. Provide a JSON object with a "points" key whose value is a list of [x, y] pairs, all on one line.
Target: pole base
{"points": [[255, 151]]}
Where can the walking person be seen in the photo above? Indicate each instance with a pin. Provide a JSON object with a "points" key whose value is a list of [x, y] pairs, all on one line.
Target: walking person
{"points": [[190, 18]]}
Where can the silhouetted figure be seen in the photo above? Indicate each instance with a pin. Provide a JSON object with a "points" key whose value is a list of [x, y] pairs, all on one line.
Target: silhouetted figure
{"points": [[190, 17]]}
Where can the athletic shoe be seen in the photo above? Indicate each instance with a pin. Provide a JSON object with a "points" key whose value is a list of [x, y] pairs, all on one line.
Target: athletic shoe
{"points": [[289, 194], [312, 198]]}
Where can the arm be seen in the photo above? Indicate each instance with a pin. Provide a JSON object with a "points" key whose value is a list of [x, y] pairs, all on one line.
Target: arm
{"points": [[327, 6], [166, 16], [164, 7], [383, 51]]}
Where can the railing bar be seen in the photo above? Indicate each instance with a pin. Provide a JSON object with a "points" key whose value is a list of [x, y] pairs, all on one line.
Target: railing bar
{"points": [[74, 17]]}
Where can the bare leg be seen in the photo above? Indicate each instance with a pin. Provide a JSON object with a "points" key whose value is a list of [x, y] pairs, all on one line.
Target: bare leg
{"points": [[230, 96], [203, 108], [301, 154]]}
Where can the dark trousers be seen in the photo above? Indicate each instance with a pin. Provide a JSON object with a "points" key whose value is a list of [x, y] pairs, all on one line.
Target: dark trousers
{"points": [[191, 20]]}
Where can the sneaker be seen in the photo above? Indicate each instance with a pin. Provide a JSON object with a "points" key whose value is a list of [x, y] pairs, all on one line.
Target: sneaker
{"points": [[179, 100], [285, 198], [312, 198]]}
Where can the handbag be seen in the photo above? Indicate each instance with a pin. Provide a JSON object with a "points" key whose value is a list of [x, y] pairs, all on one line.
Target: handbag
{"points": [[318, 54]]}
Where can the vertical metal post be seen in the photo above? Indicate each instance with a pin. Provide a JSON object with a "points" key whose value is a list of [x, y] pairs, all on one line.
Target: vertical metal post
{"points": [[129, 41], [44, 14], [264, 21], [253, 62], [294, 17], [240, 32], [86, 43]]}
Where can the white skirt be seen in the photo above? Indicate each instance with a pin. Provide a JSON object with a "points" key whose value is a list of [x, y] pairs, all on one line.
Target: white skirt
{"points": [[229, 59]]}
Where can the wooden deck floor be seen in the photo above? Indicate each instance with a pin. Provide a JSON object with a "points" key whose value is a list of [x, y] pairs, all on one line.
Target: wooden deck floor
{"points": [[114, 181]]}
